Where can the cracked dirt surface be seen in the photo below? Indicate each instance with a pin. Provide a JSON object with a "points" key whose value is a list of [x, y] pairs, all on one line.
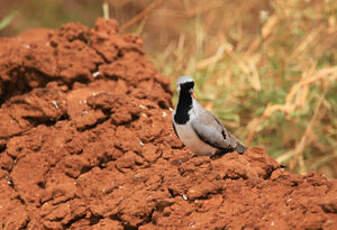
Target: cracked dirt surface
{"points": [[86, 142]]}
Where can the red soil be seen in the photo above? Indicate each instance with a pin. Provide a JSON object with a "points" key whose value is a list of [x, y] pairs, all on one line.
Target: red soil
{"points": [[86, 143]]}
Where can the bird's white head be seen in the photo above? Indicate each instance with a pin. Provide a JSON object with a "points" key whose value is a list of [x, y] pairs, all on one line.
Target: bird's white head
{"points": [[185, 83]]}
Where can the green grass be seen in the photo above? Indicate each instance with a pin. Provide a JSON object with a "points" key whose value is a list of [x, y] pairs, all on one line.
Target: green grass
{"points": [[7, 20]]}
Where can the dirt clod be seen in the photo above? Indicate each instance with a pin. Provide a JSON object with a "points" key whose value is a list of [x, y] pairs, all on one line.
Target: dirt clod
{"points": [[86, 142]]}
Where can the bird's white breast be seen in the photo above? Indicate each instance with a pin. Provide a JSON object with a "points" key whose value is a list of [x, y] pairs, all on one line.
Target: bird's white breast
{"points": [[192, 141]]}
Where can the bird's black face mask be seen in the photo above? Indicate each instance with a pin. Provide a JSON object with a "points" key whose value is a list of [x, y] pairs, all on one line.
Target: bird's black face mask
{"points": [[184, 103], [187, 87]]}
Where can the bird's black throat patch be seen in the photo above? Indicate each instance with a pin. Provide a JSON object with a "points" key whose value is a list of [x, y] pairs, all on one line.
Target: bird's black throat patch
{"points": [[183, 107]]}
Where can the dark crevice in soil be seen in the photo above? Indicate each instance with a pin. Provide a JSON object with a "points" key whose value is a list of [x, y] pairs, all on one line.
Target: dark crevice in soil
{"points": [[221, 228], [36, 121], [66, 200], [80, 79], [88, 127], [20, 199], [119, 170], [171, 191], [270, 171], [125, 225], [112, 77], [177, 147], [14, 119], [104, 160], [162, 105], [22, 133], [3, 146], [25, 224], [206, 196], [238, 177], [294, 184], [147, 219], [94, 219], [119, 55], [106, 61], [328, 209], [115, 217], [129, 227], [120, 149], [21, 85], [75, 219], [134, 117], [41, 184], [86, 169]]}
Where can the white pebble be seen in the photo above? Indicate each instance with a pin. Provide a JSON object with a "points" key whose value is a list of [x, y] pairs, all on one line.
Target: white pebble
{"points": [[55, 104], [96, 74], [185, 197]]}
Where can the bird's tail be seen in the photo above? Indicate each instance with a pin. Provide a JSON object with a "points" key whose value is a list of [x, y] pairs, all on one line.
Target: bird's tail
{"points": [[237, 145], [240, 148]]}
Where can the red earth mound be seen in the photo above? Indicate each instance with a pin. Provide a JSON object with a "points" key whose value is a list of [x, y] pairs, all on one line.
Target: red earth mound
{"points": [[86, 142]]}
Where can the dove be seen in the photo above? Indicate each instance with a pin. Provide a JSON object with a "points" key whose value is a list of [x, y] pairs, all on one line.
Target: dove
{"points": [[199, 129]]}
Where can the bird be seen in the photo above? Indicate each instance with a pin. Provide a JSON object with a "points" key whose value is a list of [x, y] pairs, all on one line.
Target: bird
{"points": [[199, 129]]}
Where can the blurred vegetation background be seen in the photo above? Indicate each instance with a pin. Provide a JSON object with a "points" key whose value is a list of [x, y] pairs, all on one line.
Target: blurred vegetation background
{"points": [[267, 68]]}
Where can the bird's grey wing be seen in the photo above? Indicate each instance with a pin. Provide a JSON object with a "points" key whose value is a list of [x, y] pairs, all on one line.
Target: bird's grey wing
{"points": [[210, 130], [232, 140]]}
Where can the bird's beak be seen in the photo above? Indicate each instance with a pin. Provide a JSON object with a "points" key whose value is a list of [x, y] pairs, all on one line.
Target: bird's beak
{"points": [[193, 94]]}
